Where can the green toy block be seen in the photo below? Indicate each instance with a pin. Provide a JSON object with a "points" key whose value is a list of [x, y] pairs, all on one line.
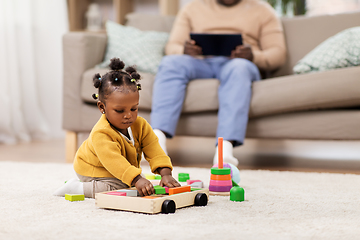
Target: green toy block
{"points": [[183, 177], [237, 194], [159, 190], [74, 197], [157, 177]]}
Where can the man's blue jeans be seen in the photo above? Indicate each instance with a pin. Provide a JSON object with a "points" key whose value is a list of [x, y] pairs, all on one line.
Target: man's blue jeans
{"points": [[235, 76]]}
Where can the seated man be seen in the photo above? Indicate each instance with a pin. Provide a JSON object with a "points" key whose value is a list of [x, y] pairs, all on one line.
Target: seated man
{"points": [[263, 49]]}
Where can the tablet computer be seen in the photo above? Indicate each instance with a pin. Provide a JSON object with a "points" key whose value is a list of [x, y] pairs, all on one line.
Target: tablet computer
{"points": [[216, 44]]}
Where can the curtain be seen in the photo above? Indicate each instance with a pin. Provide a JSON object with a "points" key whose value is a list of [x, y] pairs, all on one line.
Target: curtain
{"points": [[24, 55]]}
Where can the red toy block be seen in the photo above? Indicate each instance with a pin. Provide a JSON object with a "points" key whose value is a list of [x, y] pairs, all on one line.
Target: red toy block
{"points": [[182, 189]]}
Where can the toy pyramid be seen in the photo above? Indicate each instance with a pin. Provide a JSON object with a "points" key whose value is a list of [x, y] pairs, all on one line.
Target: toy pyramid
{"points": [[220, 178]]}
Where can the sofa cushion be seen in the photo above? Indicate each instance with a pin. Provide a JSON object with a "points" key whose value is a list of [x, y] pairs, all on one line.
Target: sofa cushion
{"points": [[341, 50], [304, 33], [144, 49]]}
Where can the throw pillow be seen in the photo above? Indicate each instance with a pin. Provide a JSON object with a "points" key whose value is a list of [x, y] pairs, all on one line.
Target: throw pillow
{"points": [[144, 49], [339, 51]]}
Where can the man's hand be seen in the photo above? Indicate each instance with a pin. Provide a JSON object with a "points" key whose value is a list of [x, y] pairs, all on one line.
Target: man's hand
{"points": [[243, 51], [191, 49]]}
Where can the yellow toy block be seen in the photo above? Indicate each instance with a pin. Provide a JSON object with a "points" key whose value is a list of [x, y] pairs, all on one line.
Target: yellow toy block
{"points": [[74, 197]]}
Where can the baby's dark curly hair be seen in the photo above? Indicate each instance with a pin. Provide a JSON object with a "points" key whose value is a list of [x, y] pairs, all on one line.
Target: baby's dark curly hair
{"points": [[116, 78]]}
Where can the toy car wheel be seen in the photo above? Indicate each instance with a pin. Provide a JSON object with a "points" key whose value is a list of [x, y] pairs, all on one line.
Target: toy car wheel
{"points": [[201, 199], [168, 206]]}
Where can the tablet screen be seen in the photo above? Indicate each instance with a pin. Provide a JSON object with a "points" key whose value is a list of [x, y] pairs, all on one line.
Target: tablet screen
{"points": [[217, 44]]}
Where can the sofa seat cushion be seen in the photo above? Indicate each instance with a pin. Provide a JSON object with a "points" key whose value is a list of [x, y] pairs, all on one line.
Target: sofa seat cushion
{"points": [[201, 95]]}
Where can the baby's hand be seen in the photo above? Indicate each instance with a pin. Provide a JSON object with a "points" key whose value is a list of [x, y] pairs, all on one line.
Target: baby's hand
{"points": [[144, 187], [169, 181]]}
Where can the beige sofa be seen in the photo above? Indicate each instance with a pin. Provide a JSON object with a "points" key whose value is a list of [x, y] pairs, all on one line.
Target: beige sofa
{"points": [[323, 105]]}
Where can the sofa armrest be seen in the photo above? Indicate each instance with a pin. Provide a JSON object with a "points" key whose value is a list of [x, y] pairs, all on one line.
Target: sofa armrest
{"points": [[81, 51]]}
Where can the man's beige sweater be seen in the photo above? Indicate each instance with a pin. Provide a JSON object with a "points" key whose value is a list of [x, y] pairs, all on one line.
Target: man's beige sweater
{"points": [[256, 20]]}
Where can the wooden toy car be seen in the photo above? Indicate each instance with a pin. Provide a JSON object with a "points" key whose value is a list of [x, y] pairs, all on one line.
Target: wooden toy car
{"points": [[154, 203]]}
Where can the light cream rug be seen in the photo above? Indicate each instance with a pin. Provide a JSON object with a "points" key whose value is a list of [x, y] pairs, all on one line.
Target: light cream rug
{"points": [[279, 205]]}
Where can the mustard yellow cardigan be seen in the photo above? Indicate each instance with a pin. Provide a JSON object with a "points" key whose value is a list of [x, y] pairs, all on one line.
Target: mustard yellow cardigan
{"points": [[107, 154]]}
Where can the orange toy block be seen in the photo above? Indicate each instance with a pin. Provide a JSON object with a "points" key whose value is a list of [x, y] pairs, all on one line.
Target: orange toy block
{"points": [[182, 189]]}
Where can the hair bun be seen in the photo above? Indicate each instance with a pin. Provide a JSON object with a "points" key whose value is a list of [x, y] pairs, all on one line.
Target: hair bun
{"points": [[130, 70], [97, 80], [116, 64], [135, 75]]}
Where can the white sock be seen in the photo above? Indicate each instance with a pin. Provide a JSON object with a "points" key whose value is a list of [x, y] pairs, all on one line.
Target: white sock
{"points": [[73, 186], [228, 156], [162, 139]]}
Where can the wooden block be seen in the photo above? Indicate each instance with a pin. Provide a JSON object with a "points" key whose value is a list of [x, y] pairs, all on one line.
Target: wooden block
{"points": [[189, 182], [182, 189], [116, 193], [159, 190], [74, 197], [197, 185], [150, 176], [129, 192]]}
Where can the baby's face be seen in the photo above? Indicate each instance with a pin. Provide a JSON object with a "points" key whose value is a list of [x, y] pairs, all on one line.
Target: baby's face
{"points": [[121, 109]]}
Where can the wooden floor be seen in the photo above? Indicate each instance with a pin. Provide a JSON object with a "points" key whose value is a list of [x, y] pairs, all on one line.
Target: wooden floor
{"points": [[289, 155]]}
